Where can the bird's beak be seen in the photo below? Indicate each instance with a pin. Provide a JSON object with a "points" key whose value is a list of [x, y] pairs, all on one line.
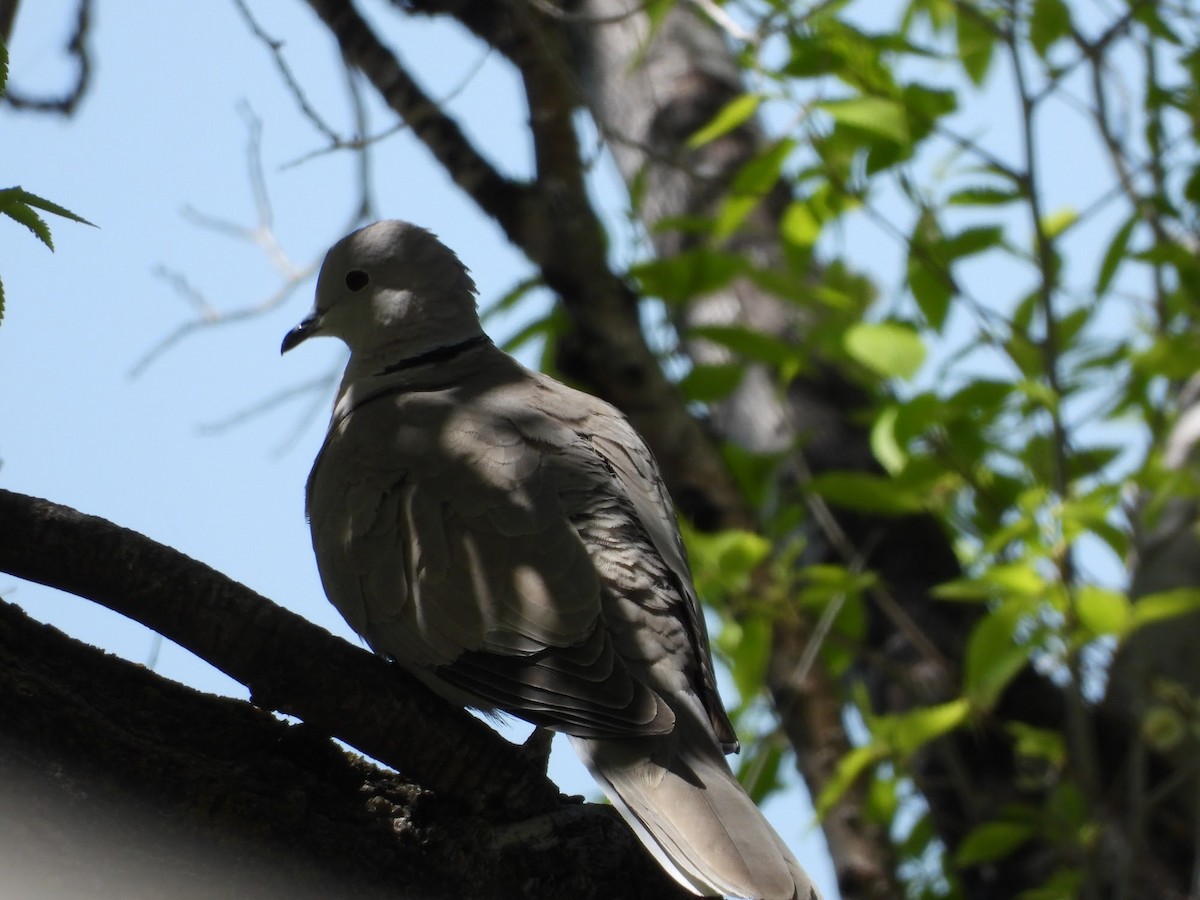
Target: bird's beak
{"points": [[308, 326]]}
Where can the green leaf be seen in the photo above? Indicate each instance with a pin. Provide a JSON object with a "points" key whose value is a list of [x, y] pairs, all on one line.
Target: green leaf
{"points": [[994, 656], [875, 116], [1165, 605], [51, 207], [688, 274], [889, 349], [545, 326], [19, 212], [710, 383], [933, 288], [1114, 255], [510, 298], [747, 342], [993, 841], [1102, 612], [976, 41], [1016, 579], [1059, 221], [3, 79], [746, 646], [1044, 745], [1049, 22], [970, 241], [729, 117], [983, 195], [884, 443], [849, 768], [753, 182], [799, 226], [723, 561], [868, 493], [908, 732]]}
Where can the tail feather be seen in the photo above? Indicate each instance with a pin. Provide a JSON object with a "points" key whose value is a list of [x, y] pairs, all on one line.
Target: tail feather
{"points": [[687, 807]]}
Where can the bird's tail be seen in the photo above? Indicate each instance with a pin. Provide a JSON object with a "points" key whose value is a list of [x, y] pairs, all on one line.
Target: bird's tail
{"points": [[686, 806]]}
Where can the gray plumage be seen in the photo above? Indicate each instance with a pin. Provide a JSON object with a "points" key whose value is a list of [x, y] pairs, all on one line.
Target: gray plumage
{"points": [[509, 541]]}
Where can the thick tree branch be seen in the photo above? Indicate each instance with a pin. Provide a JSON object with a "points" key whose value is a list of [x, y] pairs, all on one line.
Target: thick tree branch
{"points": [[118, 782], [288, 664]]}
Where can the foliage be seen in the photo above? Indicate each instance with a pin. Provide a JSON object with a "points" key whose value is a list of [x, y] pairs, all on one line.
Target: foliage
{"points": [[20, 205], [1024, 362]]}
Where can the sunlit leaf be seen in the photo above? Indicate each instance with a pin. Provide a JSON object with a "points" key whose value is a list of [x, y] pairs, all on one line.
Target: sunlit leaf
{"points": [[849, 768], [753, 182], [1165, 605], [722, 561], [1102, 612], [876, 116], [889, 349], [745, 645], [1057, 222], [799, 226], [729, 117], [884, 443], [908, 732], [868, 493]]}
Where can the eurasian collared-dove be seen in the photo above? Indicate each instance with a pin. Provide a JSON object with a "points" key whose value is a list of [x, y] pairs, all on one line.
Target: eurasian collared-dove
{"points": [[509, 541]]}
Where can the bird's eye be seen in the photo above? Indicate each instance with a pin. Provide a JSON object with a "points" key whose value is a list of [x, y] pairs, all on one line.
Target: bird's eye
{"points": [[357, 279]]}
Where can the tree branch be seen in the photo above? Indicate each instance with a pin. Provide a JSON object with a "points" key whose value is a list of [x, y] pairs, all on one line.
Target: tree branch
{"points": [[288, 664], [118, 782]]}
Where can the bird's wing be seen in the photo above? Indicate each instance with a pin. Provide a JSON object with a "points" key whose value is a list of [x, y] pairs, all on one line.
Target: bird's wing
{"points": [[660, 550], [442, 530]]}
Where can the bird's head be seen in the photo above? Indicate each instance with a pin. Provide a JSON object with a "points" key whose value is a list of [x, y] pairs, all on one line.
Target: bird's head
{"points": [[393, 286]]}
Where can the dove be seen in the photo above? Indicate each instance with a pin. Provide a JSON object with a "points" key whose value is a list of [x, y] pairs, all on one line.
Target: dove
{"points": [[509, 541]]}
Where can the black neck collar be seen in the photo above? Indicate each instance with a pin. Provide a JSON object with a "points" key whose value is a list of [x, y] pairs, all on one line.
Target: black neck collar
{"points": [[436, 355]]}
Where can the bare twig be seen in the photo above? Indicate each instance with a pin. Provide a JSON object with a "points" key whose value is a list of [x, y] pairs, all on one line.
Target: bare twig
{"points": [[316, 389], [261, 235], [77, 49], [275, 46], [221, 318]]}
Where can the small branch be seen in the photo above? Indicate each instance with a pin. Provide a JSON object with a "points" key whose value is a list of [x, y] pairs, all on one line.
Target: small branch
{"points": [[77, 49], [261, 235], [211, 318], [499, 197], [318, 390], [290, 81]]}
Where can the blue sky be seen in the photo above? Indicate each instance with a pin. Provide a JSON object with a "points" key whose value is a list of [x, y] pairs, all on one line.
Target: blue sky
{"points": [[160, 130]]}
